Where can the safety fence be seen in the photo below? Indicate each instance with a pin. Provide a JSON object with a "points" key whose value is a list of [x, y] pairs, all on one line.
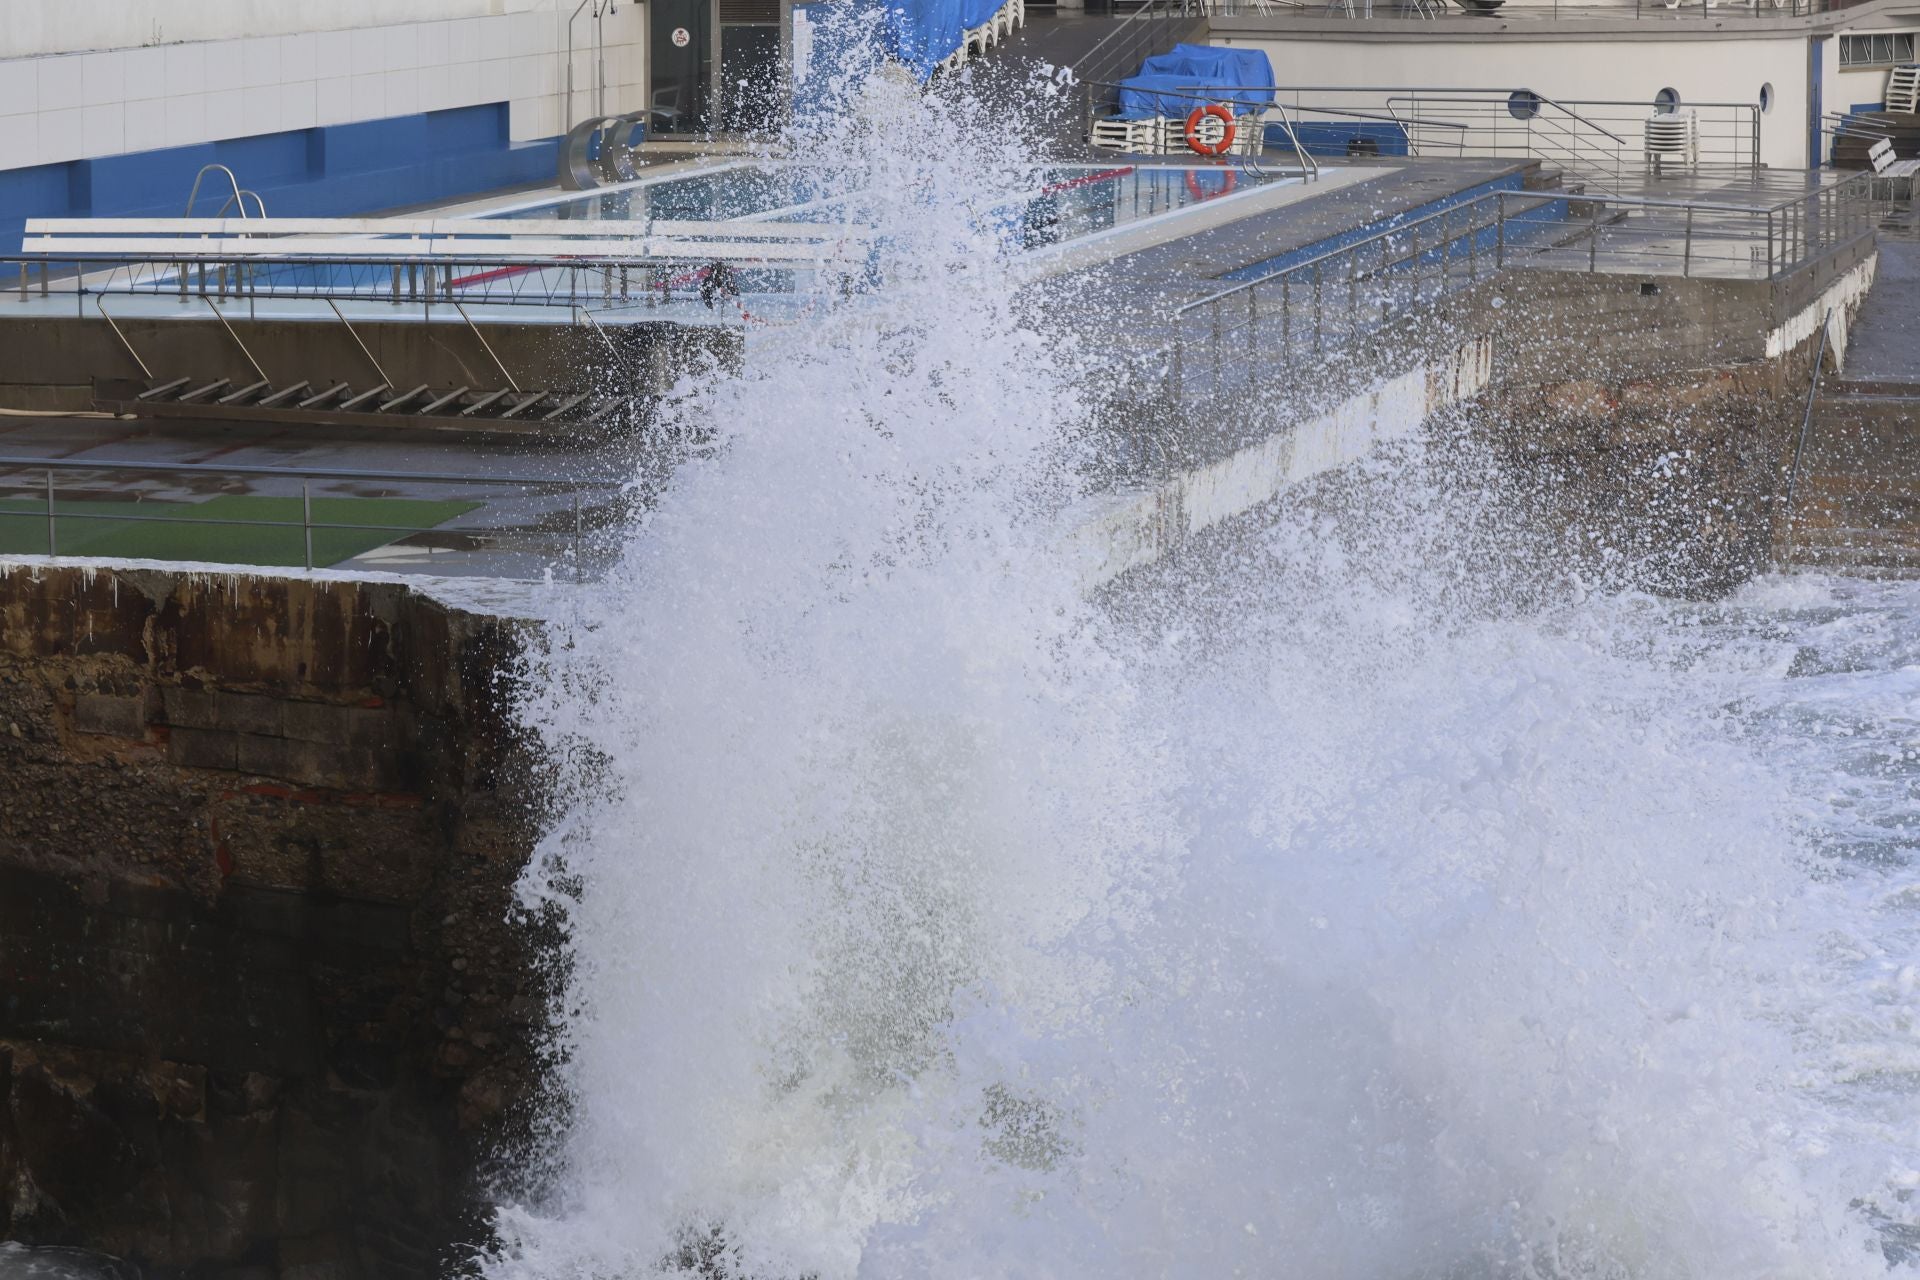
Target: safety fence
{"points": [[247, 282], [501, 526], [1297, 310]]}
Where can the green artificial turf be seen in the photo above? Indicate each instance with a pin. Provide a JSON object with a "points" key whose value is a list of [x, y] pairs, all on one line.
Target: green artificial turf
{"points": [[246, 534]]}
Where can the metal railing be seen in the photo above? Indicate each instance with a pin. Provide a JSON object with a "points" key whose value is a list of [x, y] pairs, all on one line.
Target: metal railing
{"points": [[1599, 141], [1527, 10], [389, 286], [1330, 299], [1154, 27], [45, 509], [1512, 124]]}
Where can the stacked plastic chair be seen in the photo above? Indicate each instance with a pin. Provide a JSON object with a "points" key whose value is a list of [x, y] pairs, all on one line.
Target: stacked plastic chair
{"points": [[1145, 137], [1673, 136], [974, 41]]}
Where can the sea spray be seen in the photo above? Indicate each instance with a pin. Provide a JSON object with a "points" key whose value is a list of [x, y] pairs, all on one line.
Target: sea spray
{"points": [[1312, 907]]}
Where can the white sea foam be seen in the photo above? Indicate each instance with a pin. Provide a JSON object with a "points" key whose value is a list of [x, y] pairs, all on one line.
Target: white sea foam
{"points": [[1311, 908]]}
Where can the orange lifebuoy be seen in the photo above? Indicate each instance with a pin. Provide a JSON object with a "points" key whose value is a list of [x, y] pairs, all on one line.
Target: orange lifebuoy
{"points": [[1220, 113], [1199, 193]]}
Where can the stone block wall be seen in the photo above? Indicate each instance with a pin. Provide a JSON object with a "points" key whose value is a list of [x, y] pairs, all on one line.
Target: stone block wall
{"points": [[261, 1009]]}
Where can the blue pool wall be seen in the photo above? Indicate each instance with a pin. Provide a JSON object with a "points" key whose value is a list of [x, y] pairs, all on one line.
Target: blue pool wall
{"points": [[333, 171]]}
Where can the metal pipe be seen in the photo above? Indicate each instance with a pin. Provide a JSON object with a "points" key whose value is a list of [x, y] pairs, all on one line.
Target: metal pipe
{"points": [[236, 340], [1799, 448], [306, 519], [568, 122], [579, 565], [313, 473], [487, 346], [101, 305], [363, 346], [53, 545]]}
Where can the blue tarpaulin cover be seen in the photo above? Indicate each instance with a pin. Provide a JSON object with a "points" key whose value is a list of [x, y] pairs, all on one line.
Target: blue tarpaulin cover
{"points": [[1159, 93], [922, 32], [1208, 66], [919, 34]]}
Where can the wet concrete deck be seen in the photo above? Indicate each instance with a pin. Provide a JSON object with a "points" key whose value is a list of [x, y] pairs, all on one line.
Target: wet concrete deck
{"points": [[1884, 346]]}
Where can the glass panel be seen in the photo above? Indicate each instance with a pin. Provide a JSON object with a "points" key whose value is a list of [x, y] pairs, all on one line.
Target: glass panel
{"points": [[1883, 48]]}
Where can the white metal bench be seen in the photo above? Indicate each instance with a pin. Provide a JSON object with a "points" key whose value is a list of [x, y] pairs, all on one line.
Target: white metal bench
{"points": [[1903, 89]]}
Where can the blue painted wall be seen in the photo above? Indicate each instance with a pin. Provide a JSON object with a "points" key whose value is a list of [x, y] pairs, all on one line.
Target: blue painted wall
{"points": [[336, 171]]}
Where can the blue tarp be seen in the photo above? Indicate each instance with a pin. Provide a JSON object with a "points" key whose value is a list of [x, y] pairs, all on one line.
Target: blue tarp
{"points": [[1143, 97], [1206, 66], [842, 35], [921, 33]]}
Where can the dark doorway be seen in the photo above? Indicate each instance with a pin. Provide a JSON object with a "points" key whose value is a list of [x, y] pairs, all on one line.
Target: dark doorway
{"points": [[749, 78], [679, 55]]}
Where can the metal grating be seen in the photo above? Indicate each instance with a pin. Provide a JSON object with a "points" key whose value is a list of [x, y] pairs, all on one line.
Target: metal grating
{"points": [[759, 13]]}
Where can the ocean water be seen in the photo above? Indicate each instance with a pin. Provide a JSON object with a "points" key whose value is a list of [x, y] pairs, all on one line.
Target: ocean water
{"points": [[1362, 894]]}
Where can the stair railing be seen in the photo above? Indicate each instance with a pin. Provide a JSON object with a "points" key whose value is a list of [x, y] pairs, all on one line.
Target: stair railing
{"points": [[1152, 28], [1552, 130]]}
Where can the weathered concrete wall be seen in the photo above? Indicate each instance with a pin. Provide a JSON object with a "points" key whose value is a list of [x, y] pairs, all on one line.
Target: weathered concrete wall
{"points": [[259, 1009], [1857, 505], [1668, 483], [64, 365], [1652, 418]]}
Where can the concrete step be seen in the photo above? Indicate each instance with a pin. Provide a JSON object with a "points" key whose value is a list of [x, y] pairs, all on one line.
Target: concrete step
{"points": [[1543, 178], [1867, 552]]}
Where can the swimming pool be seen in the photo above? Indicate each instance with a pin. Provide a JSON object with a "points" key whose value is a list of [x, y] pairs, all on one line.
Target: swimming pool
{"points": [[689, 233]]}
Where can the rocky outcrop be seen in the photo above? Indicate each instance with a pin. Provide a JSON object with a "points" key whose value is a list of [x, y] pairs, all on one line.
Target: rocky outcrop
{"points": [[261, 1009]]}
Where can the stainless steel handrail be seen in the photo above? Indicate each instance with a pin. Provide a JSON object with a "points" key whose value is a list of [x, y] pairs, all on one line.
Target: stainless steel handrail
{"points": [[260, 206], [200, 177]]}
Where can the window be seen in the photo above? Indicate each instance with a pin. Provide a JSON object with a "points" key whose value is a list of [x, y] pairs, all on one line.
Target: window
{"points": [[1766, 97], [1882, 49], [1667, 101], [1523, 104]]}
